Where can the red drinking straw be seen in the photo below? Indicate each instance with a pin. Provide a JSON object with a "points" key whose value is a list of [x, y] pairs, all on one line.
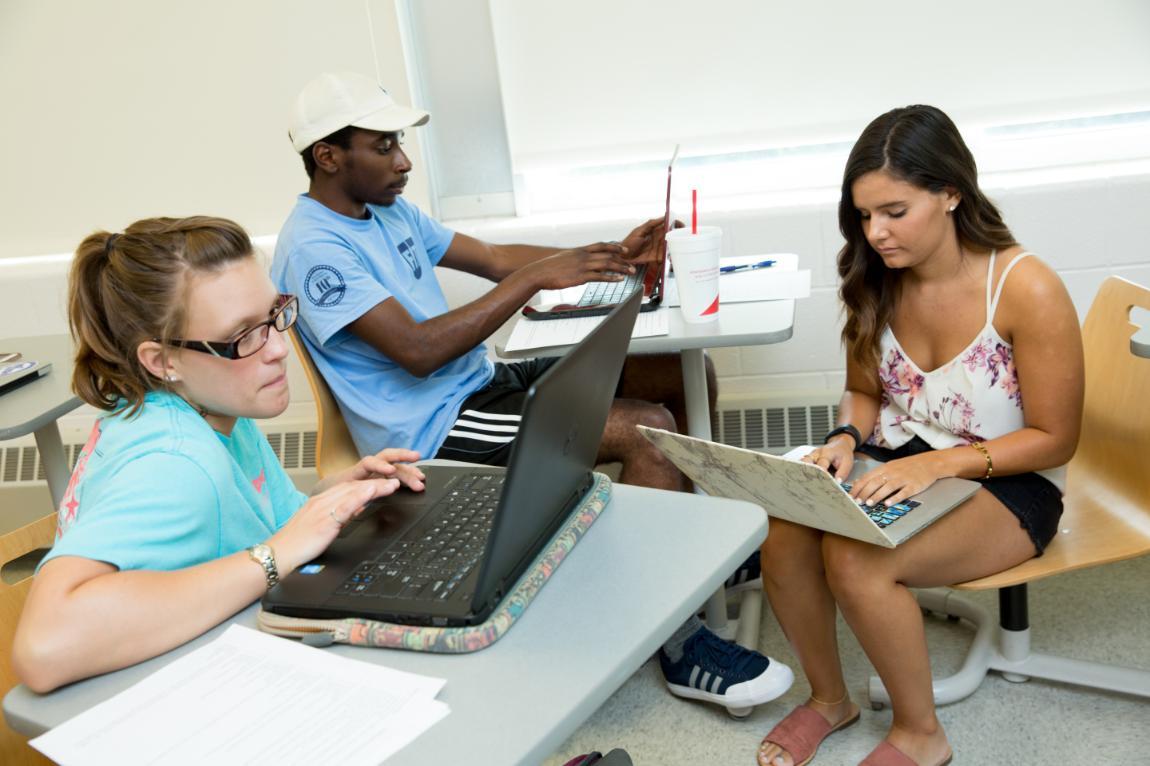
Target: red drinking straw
{"points": [[694, 211]]}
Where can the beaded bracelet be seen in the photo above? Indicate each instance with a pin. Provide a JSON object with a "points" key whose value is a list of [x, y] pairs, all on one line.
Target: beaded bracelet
{"points": [[986, 454]]}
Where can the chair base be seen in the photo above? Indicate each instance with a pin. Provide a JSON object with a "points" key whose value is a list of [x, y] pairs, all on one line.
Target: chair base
{"points": [[1011, 656]]}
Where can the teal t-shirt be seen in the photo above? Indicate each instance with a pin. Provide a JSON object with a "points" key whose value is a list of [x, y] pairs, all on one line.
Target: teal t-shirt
{"points": [[163, 490]]}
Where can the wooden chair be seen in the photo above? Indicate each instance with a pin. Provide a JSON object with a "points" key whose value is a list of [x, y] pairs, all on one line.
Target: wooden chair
{"points": [[1106, 518], [334, 449], [14, 749]]}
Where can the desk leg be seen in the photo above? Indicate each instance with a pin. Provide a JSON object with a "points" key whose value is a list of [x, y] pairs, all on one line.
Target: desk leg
{"points": [[699, 425], [51, 448]]}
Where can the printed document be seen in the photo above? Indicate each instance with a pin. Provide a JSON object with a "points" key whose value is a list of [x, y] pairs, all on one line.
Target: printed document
{"points": [[249, 697], [530, 333]]}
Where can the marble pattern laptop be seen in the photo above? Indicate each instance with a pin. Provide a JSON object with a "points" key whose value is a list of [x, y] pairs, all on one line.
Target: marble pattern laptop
{"points": [[801, 492]]}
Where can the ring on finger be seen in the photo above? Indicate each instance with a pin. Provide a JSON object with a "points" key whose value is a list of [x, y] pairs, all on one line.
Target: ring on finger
{"points": [[336, 519]]}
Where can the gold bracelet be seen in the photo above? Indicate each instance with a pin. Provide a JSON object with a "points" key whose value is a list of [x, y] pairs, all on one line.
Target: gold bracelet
{"points": [[986, 454]]}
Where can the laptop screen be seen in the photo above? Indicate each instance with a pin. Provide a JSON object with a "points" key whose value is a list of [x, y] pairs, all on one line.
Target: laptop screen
{"points": [[653, 279]]}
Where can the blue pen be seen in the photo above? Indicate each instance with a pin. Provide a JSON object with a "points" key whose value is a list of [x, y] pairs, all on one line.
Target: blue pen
{"points": [[746, 267]]}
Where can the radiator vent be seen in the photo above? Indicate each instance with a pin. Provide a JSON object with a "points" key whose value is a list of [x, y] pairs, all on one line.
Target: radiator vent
{"points": [[774, 429], [21, 465]]}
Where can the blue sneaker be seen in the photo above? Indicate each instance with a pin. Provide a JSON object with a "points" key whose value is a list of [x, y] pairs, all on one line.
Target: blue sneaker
{"points": [[748, 575], [714, 670]]}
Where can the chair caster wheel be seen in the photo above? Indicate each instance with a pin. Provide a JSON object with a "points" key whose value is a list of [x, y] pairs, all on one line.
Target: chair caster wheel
{"points": [[739, 713], [877, 706]]}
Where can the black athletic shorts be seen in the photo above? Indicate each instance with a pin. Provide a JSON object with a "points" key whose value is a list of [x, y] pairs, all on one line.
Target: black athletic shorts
{"points": [[1033, 499], [488, 420]]}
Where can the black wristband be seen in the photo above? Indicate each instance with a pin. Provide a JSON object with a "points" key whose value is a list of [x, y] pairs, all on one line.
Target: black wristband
{"points": [[847, 429]]}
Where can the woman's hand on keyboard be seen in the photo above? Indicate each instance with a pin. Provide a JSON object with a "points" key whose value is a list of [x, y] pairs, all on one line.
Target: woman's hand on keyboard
{"points": [[895, 481], [317, 522], [836, 456]]}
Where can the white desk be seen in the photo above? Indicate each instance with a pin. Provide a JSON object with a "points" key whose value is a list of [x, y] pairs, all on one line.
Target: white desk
{"points": [[643, 567], [739, 324], [35, 407]]}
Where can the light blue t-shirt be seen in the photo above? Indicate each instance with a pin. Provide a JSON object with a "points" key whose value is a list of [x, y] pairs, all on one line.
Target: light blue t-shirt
{"points": [[341, 268], [163, 490]]}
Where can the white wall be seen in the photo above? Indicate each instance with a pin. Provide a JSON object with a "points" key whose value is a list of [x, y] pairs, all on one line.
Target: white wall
{"points": [[1086, 230], [116, 110]]}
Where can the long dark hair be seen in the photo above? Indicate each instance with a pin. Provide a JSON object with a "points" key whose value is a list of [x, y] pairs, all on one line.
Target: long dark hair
{"points": [[919, 145]]}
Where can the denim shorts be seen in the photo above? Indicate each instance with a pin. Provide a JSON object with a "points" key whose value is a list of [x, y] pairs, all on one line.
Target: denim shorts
{"points": [[1033, 499]]}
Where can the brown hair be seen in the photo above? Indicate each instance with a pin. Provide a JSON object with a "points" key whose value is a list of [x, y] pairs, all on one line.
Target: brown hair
{"points": [[922, 146], [128, 288]]}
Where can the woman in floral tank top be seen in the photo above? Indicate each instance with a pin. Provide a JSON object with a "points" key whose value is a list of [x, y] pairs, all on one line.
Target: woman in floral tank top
{"points": [[964, 358]]}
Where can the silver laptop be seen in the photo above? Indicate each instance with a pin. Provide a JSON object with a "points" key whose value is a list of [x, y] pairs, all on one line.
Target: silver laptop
{"points": [[18, 372], [804, 493]]}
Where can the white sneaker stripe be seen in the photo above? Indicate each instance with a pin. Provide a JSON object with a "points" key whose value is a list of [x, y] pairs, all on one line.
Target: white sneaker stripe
{"points": [[703, 683], [694, 676], [715, 686]]}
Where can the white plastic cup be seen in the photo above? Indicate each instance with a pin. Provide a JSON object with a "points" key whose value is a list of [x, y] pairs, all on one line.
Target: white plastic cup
{"points": [[695, 258]]}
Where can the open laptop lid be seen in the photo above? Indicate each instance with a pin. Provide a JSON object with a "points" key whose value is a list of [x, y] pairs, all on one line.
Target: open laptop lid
{"points": [[657, 270], [554, 453], [17, 372], [799, 492]]}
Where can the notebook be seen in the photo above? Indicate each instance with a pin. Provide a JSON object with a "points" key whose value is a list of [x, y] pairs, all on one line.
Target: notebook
{"points": [[16, 373], [804, 493], [448, 555], [600, 297]]}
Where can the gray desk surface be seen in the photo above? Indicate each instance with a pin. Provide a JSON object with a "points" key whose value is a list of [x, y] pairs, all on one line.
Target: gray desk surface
{"points": [[36, 404], [646, 564], [739, 324]]}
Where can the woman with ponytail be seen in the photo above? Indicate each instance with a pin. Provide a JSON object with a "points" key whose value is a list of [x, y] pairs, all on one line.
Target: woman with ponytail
{"points": [[963, 358], [178, 513]]}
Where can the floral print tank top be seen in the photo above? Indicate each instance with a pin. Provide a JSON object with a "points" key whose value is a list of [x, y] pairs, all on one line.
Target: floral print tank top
{"points": [[973, 397]]}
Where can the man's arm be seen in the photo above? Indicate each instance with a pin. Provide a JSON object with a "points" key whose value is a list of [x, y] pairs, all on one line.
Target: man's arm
{"points": [[421, 348]]}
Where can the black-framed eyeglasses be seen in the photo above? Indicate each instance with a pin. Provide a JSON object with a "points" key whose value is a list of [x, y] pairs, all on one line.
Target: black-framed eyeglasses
{"points": [[251, 340]]}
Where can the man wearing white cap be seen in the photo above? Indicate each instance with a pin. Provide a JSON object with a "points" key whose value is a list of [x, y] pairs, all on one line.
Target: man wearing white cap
{"points": [[409, 371], [402, 365]]}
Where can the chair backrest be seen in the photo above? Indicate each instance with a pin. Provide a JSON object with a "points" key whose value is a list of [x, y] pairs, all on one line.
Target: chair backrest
{"points": [[1107, 516], [335, 450], [14, 749]]}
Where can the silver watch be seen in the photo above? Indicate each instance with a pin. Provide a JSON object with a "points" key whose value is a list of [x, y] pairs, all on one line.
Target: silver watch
{"points": [[263, 555]]}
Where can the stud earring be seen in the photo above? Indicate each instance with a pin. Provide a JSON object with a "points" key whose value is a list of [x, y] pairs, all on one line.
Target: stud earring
{"points": [[171, 378], [951, 208]]}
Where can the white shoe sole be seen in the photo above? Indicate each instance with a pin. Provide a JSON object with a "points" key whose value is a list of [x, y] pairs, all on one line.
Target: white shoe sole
{"points": [[764, 688]]}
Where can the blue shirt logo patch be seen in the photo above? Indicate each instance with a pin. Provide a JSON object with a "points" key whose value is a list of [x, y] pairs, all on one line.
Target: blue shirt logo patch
{"points": [[324, 286], [406, 249]]}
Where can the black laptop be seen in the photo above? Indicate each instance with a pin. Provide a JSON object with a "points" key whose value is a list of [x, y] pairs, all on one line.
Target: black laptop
{"points": [[448, 555]]}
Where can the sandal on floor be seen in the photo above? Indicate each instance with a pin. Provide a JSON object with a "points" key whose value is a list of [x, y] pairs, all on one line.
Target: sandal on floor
{"points": [[887, 754], [801, 732]]}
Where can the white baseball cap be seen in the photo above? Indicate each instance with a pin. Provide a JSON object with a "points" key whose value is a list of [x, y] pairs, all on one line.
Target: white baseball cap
{"points": [[336, 100]]}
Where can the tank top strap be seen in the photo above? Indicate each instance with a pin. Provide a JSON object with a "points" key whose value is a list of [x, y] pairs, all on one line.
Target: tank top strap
{"points": [[1001, 281], [989, 285]]}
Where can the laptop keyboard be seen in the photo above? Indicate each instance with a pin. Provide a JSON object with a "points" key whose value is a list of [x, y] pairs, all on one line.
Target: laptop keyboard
{"points": [[608, 293], [432, 558], [881, 514]]}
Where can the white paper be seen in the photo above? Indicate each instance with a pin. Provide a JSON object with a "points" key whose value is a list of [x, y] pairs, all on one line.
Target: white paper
{"points": [[249, 697], [543, 333], [779, 282]]}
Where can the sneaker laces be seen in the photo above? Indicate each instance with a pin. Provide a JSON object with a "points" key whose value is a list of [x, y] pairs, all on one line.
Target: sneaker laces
{"points": [[725, 657]]}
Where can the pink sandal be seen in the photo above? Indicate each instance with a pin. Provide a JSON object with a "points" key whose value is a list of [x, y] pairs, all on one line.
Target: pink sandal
{"points": [[887, 754], [801, 732]]}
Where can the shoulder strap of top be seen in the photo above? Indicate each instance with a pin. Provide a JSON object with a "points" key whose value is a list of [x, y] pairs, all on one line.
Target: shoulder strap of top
{"points": [[989, 283], [1002, 281]]}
